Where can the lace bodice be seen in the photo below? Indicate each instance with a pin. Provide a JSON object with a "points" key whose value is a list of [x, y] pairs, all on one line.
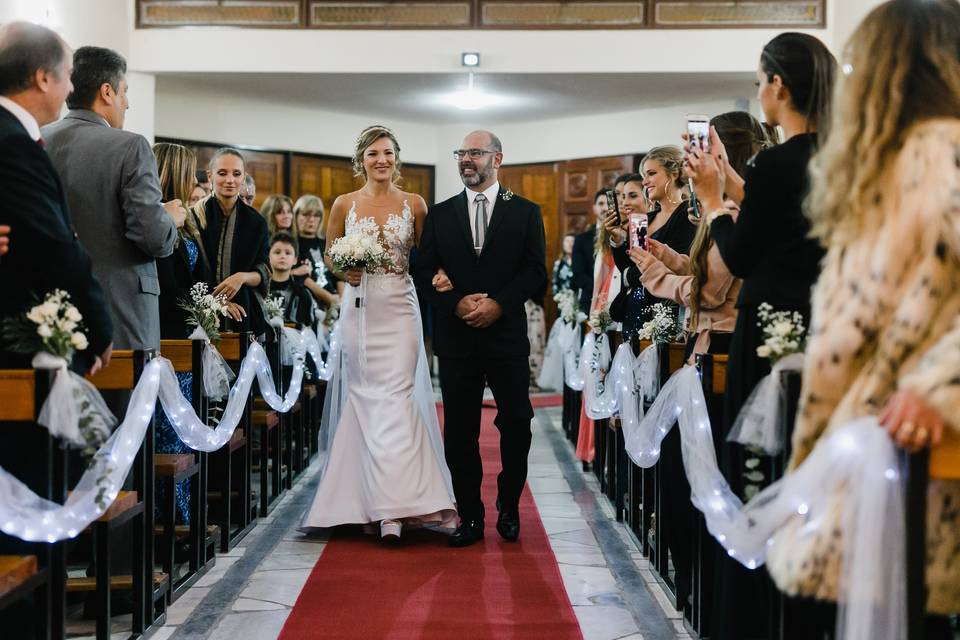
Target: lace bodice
{"points": [[397, 235]]}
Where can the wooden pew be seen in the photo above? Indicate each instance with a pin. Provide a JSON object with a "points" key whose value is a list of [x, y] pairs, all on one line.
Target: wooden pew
{"points": [[38, 570], [230, 479], [172, 468], [938, 463], [133, 508]]}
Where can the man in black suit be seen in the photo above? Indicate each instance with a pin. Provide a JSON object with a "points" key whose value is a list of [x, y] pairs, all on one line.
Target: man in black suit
{"points": [[490, 242], [44, 253], [582, 266]]}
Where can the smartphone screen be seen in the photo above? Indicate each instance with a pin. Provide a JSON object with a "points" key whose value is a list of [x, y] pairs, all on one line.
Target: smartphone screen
{"points": [[698, 131], [638, 230]]}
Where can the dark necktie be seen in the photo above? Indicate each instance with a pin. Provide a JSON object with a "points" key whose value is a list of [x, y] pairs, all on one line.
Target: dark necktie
{"points": [[480, 223]]}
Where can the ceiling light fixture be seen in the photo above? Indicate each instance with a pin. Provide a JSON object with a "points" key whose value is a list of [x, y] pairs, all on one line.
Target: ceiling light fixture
{"points": [[473, 98], [470, 59]]}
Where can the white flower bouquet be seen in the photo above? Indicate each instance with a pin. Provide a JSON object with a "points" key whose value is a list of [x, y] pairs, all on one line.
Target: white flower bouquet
{"points": [[273, 307], [205, 309], [331, 314], [358, 251], [52, 326], [567, 307], [600, 321], [664, 326], [783, 333]]}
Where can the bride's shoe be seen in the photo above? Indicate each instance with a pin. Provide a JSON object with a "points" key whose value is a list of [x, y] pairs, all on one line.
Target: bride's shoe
{"points": [[390, 531]]}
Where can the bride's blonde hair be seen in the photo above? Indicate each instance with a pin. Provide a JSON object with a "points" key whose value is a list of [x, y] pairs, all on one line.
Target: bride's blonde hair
{"points": [[902, 68], [367, 137]]}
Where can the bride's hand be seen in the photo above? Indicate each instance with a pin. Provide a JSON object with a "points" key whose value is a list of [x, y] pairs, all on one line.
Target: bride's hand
{"points": [[353, 277], [441, 282]]}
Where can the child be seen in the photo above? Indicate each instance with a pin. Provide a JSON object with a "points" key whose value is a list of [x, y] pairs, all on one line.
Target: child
{"points": [[297, 301]]}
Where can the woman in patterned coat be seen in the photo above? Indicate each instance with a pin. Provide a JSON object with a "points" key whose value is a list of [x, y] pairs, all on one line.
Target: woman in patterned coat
{"points": [[885, 334]]}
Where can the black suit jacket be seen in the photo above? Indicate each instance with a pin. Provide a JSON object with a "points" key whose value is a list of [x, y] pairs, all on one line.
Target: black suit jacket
{"points": [[583, 259], [44, 251], [510, 268]]}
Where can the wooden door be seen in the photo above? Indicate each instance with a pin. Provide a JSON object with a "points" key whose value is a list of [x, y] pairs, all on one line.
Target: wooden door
{"points": [[539, 183], [581, 180]]}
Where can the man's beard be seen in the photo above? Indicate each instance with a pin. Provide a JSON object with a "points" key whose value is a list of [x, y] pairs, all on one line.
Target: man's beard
{"points": [[480, 175]]}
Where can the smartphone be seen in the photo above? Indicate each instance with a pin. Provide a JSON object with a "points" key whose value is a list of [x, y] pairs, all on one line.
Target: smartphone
{"points": [[612, 204], [638, 230], [698, 131]]}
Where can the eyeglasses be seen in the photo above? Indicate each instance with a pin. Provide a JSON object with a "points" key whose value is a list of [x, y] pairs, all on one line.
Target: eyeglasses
{"points": [[316, 215], [475, 154]]}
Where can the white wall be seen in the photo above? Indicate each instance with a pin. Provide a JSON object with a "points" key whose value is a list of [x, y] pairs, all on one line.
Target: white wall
{"points": [[190, 110], [141, 117]]}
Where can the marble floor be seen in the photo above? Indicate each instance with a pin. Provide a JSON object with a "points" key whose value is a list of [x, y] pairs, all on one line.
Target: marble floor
{"points": [[250, 591]]}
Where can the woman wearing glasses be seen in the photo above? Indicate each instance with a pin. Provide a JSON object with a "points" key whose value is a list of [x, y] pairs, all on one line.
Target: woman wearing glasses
{"points": [[308, 222]]}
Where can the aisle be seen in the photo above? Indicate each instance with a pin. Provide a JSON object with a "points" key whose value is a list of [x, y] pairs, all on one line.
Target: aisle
{"points": [[423, 589]]}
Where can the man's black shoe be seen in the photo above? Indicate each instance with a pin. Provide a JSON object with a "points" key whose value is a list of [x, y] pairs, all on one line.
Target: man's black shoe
{"points": [[467, 533], [508, 525]]}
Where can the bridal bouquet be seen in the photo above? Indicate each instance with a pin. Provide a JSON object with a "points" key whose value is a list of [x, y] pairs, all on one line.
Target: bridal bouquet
{"points": [[273, 308], [783, 333], [600, 321], [74, 410], [664, 326], [567, 306], [204, 310], [358, 251]]}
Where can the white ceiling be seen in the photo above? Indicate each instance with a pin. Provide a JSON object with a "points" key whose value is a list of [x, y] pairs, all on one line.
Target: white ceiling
{"points": [[419, 97]]}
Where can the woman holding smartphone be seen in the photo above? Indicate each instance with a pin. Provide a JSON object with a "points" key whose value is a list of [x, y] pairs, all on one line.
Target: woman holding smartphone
{"points": [[660, 183], [769, 246]]}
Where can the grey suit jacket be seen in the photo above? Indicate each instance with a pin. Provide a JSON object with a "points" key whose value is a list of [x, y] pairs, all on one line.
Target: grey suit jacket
{"points": [[110, 178]]}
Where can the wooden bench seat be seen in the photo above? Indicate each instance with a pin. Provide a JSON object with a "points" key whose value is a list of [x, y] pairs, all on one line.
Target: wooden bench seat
{"points": [[15, 571], [237, 440], [117, 583], [260, 418], [173, 464]]}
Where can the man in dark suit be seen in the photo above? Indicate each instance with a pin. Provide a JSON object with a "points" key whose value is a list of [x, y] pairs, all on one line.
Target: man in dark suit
{"points": [[44, 253], [582, 266], [490, 242]]}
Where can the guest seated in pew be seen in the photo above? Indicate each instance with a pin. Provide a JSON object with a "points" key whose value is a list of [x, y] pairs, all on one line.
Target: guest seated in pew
{"points": [[43, 253], [236, 241], [885, 336], [296, 299]]}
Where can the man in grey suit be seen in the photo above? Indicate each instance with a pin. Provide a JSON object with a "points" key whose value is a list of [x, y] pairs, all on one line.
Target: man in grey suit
{"points": [[110, 177]]}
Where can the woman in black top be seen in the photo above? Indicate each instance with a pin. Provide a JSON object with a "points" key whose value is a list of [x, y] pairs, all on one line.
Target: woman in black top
{"points": [[770, 248], [662, 181], [236, 240]]}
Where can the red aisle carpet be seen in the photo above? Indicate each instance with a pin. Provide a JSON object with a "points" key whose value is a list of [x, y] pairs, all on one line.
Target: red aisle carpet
{"points": [[424, 589]]}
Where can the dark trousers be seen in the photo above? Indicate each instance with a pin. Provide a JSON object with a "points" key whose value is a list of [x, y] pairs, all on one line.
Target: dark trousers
{"points": [[462, 381]]}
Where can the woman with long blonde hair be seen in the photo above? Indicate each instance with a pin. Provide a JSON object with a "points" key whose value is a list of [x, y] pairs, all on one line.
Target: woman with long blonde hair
{"points": [[885, 333]]}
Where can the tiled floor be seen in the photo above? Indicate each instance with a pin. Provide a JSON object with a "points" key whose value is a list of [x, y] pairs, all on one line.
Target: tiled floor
{"points": [[250, 591]]}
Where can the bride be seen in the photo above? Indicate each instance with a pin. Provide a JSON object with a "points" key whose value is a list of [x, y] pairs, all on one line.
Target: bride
{"points": [[384, 460]]}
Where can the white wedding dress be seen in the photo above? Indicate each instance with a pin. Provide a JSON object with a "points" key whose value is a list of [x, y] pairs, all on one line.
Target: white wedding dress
{"points": [[383, 456]]}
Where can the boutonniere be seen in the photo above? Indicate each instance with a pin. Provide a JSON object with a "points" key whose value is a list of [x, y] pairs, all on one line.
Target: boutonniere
{"points": [[506, 194]]}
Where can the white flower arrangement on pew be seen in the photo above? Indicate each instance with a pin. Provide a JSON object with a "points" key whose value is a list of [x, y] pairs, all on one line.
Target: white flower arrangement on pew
{"points": [[663, 327], [783, 333], [54, 327], [567, 307], [358, 251], [205, 309], [273, 307], [331, 314], [600, 321]]}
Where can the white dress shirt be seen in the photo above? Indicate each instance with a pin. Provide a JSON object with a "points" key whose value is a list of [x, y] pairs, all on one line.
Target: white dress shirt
{"points": [[491, 194], [25, 117]]}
